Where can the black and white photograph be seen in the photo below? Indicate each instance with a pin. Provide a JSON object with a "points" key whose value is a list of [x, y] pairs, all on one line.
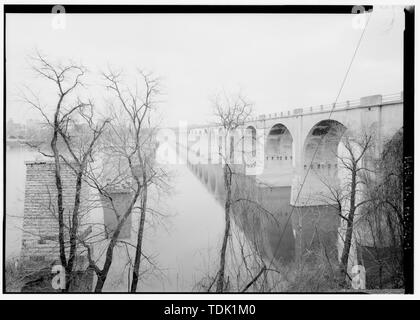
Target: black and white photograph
{"points": [[208, 150]]}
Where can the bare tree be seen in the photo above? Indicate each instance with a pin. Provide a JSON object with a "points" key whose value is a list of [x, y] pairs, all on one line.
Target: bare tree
{"points": [[131, 144], [231, 114], [69, 145]]}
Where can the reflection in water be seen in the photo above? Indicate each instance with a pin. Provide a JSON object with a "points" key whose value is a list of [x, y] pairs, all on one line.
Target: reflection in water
{"points": [[267, 218], [260, 212], [185, 247]]}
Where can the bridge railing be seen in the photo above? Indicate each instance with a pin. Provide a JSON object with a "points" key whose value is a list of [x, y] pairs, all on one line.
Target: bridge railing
{"points": [[396, 97], [349, 104]]}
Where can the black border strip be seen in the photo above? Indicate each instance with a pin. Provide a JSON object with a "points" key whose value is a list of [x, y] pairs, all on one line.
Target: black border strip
{"points": [[118, 9], [408, 149]]}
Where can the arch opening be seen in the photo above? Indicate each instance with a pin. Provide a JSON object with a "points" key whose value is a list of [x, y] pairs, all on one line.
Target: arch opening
{"points": [[220, 145], [249, 146], [321, 160], [278, 153], [321, 145]]}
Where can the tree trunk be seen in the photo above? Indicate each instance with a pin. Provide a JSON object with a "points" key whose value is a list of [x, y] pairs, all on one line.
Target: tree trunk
{"points": [[74, 227], [59, 187], [137, 258], [299, 241], [349, 229], [113, 242], [228, 184], [100, 283]]}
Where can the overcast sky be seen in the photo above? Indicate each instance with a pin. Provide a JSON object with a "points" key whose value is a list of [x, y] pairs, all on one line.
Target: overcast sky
{"points": [[278, 61]]}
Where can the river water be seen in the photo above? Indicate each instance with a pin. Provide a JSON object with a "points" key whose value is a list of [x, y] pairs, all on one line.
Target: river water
{"points": [[183, 245]]}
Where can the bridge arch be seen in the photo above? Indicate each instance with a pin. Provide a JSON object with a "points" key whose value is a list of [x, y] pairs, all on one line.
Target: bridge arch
{"points": [[323, 138], [220, 145], [278, 153], [279, 142], [320, 163], [249, 144]]}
